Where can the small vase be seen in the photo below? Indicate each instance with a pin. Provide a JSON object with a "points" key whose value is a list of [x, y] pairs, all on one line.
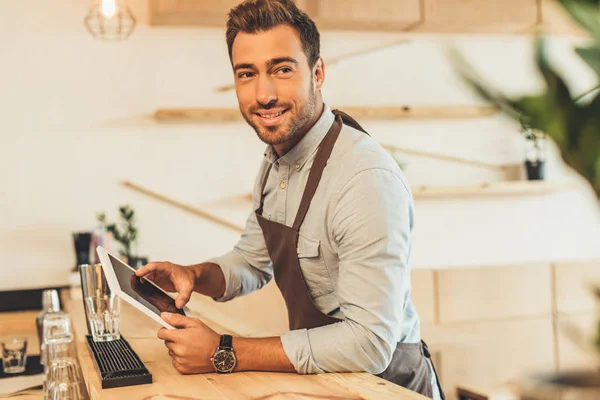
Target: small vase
{"points": [[535, 170]]}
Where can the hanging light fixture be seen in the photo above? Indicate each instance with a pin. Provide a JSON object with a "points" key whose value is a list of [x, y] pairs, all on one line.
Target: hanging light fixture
{"points": [[110, 20]]}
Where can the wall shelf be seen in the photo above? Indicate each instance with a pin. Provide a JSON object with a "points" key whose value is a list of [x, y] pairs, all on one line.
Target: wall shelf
{"points": [[508, 188], [205, 114], [497, 189]]}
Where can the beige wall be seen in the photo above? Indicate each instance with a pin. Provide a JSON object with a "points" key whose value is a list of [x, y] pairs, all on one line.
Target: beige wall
{"points": [[75, 122]]}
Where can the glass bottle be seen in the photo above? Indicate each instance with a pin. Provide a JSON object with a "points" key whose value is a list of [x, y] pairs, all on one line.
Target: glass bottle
{"points": [[50, 304]]}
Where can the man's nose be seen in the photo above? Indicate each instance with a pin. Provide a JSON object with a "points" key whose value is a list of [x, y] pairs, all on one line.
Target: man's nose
{"points": [[266, 94]]}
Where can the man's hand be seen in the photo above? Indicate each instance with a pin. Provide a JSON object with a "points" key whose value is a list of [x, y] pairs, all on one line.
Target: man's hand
{"points": [[191, 346], [152, 295], [206, 278], [172, 278]]}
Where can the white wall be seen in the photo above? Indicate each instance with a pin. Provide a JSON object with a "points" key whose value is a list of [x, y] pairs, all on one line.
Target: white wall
{"points": [[75, 122]]}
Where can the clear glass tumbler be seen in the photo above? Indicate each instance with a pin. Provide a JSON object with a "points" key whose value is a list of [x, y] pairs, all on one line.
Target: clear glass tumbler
{"points": [[14, 355], [104, 314], [63, 381], [57, 328]]}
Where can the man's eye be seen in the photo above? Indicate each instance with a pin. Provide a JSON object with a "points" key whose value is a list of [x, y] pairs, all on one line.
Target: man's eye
{"points": [[284, 71], [244, 75]]}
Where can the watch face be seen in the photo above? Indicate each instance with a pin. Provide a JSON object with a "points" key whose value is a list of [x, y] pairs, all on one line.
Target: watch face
{"points": [[224, 361]]}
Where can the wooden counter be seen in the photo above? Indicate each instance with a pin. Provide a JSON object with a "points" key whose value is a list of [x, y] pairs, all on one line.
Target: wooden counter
{"points": [[140, 332]]}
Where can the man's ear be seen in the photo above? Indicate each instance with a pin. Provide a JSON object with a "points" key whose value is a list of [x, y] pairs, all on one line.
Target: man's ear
{"points": [[319, 73]]}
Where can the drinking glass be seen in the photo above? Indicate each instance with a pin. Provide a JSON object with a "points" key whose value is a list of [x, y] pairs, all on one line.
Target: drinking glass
{"points": [[103, 313], [63, 381], [57, 328], [57, 336], [14, 355]]}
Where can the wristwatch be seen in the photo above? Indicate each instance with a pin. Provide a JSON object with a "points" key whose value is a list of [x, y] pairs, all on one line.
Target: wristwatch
{"points": [[224, 359]]}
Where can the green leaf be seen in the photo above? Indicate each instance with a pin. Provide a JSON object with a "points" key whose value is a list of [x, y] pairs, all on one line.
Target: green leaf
{"points": [[101, 217], [574, 127], [591, 55], [596, 182], [563, 121]]}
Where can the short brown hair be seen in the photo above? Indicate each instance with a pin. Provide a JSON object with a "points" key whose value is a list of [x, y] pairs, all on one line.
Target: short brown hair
{"points": [[254, 16]]}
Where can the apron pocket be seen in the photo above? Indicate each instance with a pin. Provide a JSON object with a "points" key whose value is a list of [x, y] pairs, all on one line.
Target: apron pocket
{"points": [[312, 264]]}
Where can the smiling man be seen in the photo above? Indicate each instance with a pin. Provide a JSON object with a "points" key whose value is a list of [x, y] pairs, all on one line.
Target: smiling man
{"points": [[332, 221]]}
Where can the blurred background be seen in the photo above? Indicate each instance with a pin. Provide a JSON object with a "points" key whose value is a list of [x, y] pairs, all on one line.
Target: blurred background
{"points": [[90, 124]]}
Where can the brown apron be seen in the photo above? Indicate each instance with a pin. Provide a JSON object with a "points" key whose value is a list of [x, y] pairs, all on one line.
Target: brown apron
{"points": [[408, 367]]}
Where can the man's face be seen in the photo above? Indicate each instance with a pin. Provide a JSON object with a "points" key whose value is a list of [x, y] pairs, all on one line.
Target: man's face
{"points": [[275, 86]]}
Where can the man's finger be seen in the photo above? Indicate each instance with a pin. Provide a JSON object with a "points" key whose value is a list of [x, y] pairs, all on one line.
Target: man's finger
{"points": [[184, 296], [180, 367], [150, 267], [166, 334], [170, 346], [179, 321]]}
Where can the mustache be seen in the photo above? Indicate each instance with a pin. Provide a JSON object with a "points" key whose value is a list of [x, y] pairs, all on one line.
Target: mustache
{"points": [[258, 107]]}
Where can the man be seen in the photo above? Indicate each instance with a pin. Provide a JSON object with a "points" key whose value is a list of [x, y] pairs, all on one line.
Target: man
{"points": [[332, 221]]}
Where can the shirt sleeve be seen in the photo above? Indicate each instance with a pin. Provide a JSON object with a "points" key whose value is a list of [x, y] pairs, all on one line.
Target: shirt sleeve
{"points": [[371, 226], [247, 267]]}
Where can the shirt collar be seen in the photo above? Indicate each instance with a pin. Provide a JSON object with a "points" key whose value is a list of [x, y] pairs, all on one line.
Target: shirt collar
{"points": [[301, 152]]}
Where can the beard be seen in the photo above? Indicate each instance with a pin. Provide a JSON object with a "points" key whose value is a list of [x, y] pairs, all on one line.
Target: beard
{"points": [[293, 123]]}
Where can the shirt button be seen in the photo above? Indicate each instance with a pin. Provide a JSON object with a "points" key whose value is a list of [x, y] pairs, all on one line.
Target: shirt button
{"points": [[282, 185], [297, 167]]}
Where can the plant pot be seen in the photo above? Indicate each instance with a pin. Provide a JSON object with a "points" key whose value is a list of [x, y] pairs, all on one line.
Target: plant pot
{"points": [[535, 170], [137, 262]]}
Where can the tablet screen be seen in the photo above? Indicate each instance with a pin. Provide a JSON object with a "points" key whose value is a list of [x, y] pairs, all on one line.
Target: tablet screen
{"points": [[142, 290]]}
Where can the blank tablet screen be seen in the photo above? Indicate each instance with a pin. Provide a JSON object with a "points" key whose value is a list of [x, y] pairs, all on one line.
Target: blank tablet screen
{"points": [[142, 290]]}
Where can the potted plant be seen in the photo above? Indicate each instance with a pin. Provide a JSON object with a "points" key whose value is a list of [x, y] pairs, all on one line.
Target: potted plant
{"points": [[125, 235], [535, 154], [574, 125]]}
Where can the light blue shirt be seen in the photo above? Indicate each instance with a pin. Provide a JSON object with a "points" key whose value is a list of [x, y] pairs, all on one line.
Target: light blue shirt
{"points": [[354, 251]]}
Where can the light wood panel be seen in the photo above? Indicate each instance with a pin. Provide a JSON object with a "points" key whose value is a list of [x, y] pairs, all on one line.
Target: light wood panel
{"points": [[555, 20], [488, 293], [570, 355], [496, 352], [572, 286], [381, 15], [430, 16], [478, 16], [189, 12], [505, 188], [424, 294], [205, 114]]}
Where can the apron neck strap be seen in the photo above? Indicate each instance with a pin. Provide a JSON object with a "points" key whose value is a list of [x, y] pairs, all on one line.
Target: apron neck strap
{"points": [[259, 211], [317, 170], [348, 120]]}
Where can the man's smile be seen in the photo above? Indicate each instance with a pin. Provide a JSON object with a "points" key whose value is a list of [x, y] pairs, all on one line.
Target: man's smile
{"points": [[271, 117]]}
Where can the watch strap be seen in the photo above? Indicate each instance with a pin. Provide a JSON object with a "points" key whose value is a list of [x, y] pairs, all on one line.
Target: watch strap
{"points": [[226, 342]]}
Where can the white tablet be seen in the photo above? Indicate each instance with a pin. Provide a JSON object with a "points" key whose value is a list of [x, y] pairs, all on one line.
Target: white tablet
{"points": [[141, 293]]}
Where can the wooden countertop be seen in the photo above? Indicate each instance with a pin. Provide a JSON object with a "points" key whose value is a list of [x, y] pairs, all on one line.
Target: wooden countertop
{"points": [[140, 332]]}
